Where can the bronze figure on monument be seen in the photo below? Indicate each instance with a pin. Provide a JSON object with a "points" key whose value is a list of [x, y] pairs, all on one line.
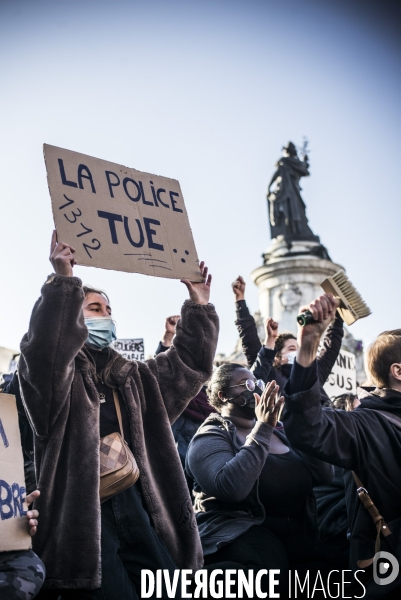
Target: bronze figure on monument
{"points": [[287, 208], [295, 262]]}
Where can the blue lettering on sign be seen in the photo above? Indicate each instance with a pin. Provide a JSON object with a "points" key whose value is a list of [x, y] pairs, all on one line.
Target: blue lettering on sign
{"points": [[114, 218], [143, 195], [3, 435], [151, 232], [82, 173], [17, 501], [160, 191], [110, 183], [174, 202], [141, 240], [12, 498], [134, 190], [64, 179]]}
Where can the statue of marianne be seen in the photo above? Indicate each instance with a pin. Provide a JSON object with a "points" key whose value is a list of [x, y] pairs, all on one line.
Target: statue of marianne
{"points": [[287, 209]]}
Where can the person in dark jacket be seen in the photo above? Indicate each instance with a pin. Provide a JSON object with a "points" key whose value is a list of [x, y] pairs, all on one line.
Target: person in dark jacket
{"points": [[185, 427], [366, 440], [253, 494], [273, 356], [331, 499], [67, 375]]}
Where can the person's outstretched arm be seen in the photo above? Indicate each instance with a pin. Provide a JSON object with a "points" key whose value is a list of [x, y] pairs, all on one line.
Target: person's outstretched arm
{"points": [[263, 368], [328, 355], [245, 323], [167, 337], [56, 333], [183, 370], [333, 436]]}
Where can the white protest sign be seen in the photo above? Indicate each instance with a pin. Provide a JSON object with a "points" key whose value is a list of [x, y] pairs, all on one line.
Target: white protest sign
{"points": [[120, 218], [131, 349], [342, 379], [14, 533]]}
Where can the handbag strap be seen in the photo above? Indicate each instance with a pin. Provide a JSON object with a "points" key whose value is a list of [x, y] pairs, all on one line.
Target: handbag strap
{"points": [[369, 505], [363, 494], [118, 410]]}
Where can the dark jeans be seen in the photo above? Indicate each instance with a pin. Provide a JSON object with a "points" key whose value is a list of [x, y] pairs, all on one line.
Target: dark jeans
{"points": [[284, 548], [128, 544], [256, 549], [302, 549], [184, 429]]}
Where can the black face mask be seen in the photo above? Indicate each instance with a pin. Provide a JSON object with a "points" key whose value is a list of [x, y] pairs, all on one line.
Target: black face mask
{"points": [[286, 370], [249, 402]]}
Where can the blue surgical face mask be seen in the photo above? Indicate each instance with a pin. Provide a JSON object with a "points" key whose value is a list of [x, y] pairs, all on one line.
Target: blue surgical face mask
{"points": [[101, 331]]}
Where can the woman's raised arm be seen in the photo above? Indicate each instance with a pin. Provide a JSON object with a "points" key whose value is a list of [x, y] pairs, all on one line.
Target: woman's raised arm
{"points": [[56, 334]]}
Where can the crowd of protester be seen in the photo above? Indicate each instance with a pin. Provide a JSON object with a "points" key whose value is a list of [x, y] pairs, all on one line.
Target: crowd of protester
{"points": [[245, 466]]}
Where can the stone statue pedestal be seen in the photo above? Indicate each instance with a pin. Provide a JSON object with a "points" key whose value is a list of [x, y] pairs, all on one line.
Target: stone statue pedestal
{"points": [[290, 277], [296, 262]]}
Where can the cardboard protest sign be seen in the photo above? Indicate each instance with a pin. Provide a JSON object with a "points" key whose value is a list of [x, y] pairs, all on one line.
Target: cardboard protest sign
{"points": [[342, 379], [132, 349], [120, 218], [14, 533]]}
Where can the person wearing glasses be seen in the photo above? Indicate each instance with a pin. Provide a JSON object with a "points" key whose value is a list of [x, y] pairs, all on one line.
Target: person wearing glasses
{"points": [[253, 493]]}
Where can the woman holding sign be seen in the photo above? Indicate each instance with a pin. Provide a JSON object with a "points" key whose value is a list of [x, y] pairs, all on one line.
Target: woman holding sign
{"points": [[68, 374]]}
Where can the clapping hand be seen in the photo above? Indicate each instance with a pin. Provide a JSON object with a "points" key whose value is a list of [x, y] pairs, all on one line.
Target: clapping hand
{"points": [[268, 407]]}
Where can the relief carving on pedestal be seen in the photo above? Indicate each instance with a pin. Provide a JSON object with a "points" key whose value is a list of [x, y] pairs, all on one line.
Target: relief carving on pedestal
{"points": [[290, 296]]}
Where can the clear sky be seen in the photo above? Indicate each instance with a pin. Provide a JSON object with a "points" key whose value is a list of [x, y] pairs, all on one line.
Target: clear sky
{"points": [[206, 93]]}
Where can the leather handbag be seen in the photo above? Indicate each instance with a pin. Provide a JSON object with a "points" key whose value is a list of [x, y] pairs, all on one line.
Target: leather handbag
{"points": [[118, 468]]}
